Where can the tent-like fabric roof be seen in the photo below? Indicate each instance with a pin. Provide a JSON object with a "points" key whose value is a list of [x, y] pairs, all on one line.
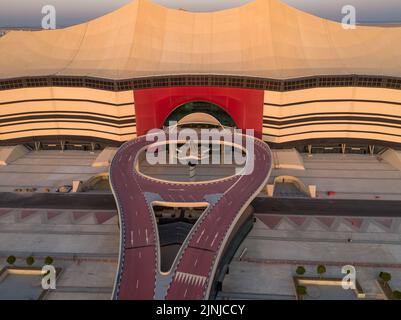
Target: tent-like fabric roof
{"points": [[265, 38]]}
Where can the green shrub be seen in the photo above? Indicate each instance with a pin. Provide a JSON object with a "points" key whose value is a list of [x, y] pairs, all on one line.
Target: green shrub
{"points": [[11, 260], [301, 291], [321, 269], [48, 260], [385, 276], [300, 270], [30, 260], [397, 295]]}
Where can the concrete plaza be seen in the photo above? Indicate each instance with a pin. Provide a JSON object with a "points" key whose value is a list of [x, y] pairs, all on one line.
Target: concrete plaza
{"points": [[349, 176], [84, 244], [277, 245]]}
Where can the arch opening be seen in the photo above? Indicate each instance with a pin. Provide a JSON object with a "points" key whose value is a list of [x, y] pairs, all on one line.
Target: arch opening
{"points": [[200, 112]]}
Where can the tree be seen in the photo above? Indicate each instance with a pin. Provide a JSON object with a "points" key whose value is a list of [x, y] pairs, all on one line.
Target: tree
{"points": [[321, 269], [397, 295], [30, 260], [385, 276], [301, 291], [48, 260], [11, 260], [300, 271]]}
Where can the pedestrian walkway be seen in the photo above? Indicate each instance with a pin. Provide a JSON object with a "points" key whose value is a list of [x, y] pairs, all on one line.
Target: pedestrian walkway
{"points": [[347, 176], [48, 169], [266, 261]]}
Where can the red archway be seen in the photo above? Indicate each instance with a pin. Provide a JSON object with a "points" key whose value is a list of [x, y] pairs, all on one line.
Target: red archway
{"points": [[153, 106]]}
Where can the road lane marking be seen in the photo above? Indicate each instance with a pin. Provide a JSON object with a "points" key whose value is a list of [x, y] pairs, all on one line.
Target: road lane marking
{"points": [[215, 237], [132, 238], [147, 239], [200, 236], [191, 279]]}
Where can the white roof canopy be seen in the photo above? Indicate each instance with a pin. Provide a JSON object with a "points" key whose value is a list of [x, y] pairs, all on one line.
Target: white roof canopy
{"points": [[265, 38]]}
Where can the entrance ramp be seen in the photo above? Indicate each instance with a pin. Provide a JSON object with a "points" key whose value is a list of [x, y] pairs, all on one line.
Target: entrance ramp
{"points": [[104, 158], [287, 159], [11, 154]]}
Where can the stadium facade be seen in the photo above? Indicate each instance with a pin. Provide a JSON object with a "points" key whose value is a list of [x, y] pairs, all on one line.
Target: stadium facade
{"points": [[295, 78]]}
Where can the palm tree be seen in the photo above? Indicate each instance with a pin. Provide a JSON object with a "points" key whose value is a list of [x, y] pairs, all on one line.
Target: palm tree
{"points": [[321, 269], [300, 271], [301, 292], [397, 295], [48, 260], [11, 260], [386, 277], [30, 260]]}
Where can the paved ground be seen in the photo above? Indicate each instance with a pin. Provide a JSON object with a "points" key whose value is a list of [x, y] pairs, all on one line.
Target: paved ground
{"points": [[80, 230], [181, 172], [277, 245], [48, 169], [83, 243], [349, 176], [58, 232], [85, 280]]}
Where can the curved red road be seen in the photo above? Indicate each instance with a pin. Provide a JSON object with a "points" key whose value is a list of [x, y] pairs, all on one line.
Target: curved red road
{"points": [[191, 277]]}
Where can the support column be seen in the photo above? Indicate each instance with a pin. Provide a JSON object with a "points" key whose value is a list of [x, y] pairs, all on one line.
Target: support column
{"points": [[372, 150], [270, 190], [227, 154], [37, 145], [343, 146], [216, 153], [192, 171], [62, 144]]}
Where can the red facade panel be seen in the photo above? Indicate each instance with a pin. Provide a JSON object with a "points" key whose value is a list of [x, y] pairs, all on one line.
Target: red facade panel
{"points": [[153, 106]]}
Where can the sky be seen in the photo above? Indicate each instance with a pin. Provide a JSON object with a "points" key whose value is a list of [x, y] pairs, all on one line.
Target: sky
{"points": [[27, 13]]}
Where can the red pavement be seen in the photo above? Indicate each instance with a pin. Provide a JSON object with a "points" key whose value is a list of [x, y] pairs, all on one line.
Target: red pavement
{"points": [[192, 276]]}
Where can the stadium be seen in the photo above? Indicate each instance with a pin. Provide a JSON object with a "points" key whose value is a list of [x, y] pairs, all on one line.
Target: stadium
{"points": [[300, 82], [294, 78]]}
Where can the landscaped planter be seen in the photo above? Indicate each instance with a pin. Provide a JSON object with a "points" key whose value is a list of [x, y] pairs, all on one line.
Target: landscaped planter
{"points": [[27, 271], [321, 281]]}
